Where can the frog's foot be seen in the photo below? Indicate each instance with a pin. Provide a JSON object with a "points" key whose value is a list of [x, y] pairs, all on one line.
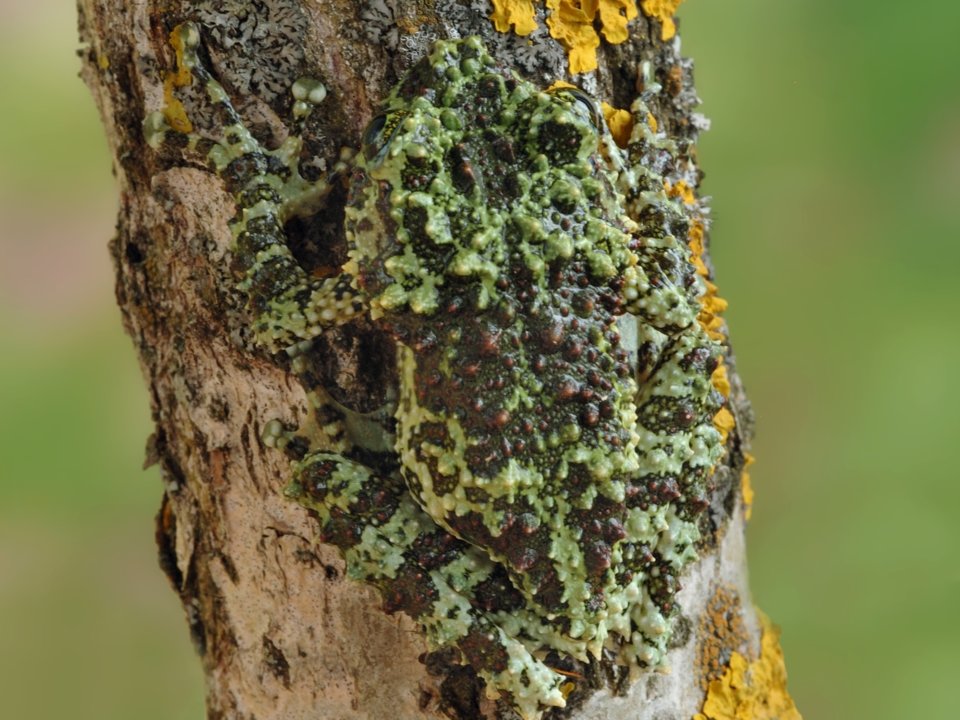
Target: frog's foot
{"points": [[663, 288], [290, 304], [419, 568], [676, 405], [276, 435]]}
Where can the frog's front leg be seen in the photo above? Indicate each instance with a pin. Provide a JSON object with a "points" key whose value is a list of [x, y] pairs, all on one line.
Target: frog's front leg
{"points": [[290, 305], [388, 541]]}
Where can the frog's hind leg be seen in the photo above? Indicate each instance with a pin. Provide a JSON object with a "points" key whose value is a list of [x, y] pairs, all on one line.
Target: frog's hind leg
{"points": [[290, 305], [678, 447], [419, 568]]}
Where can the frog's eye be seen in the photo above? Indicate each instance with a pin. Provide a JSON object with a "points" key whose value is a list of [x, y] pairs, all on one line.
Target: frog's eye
{"points": [[585, 104], [379, 133], [372, 140]]}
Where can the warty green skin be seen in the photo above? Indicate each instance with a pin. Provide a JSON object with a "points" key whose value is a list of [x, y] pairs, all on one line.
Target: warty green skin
{"points": [[550, 480]]}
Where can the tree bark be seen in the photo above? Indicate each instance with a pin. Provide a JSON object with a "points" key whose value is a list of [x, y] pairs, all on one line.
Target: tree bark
{"points": [[280, 631]]}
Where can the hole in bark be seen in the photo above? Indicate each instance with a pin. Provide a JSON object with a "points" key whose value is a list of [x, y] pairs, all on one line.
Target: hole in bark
{"points": [[134, 254]]}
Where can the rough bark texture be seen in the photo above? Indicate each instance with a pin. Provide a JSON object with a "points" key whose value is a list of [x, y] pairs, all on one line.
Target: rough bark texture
{"points": [[281, 633]]}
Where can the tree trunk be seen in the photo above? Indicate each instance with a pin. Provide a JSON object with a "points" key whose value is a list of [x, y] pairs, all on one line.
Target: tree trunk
{"points": [[280, 631]]}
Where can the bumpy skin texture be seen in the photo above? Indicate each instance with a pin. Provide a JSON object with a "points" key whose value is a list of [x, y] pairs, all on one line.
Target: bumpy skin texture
{"points": [[550, 478]]}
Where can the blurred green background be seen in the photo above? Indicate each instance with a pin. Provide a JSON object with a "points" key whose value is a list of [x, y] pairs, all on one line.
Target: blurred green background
{"points": [[834, 162]]}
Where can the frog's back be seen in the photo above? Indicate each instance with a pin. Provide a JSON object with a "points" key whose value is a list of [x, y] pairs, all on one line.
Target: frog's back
{"points": [[497, 258], [516, 432]]}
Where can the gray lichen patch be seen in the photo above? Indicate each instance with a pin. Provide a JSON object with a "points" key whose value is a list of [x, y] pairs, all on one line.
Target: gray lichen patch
{"points": [[259, 48]]}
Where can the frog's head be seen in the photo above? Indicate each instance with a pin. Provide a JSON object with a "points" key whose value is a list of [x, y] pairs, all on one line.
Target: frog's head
{"points": [[466, 167]]}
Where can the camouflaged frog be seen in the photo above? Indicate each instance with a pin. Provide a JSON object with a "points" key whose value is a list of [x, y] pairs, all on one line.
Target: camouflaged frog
{"points": [[551, 473]]}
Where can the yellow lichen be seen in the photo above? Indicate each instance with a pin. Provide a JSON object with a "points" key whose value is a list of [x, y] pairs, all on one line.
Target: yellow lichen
{"points": [[518, 13], [614, 16], [573, 22], [720, 380], [662, 10], [724, 422], [752, 690], [620, 123], [652, 122], [683, 191], [173, 110], [412, 25], [711, 305], [722, 631], [746, 489]]}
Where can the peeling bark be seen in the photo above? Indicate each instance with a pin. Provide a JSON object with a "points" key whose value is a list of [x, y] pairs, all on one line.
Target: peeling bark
{"points": [[280, 632]]}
